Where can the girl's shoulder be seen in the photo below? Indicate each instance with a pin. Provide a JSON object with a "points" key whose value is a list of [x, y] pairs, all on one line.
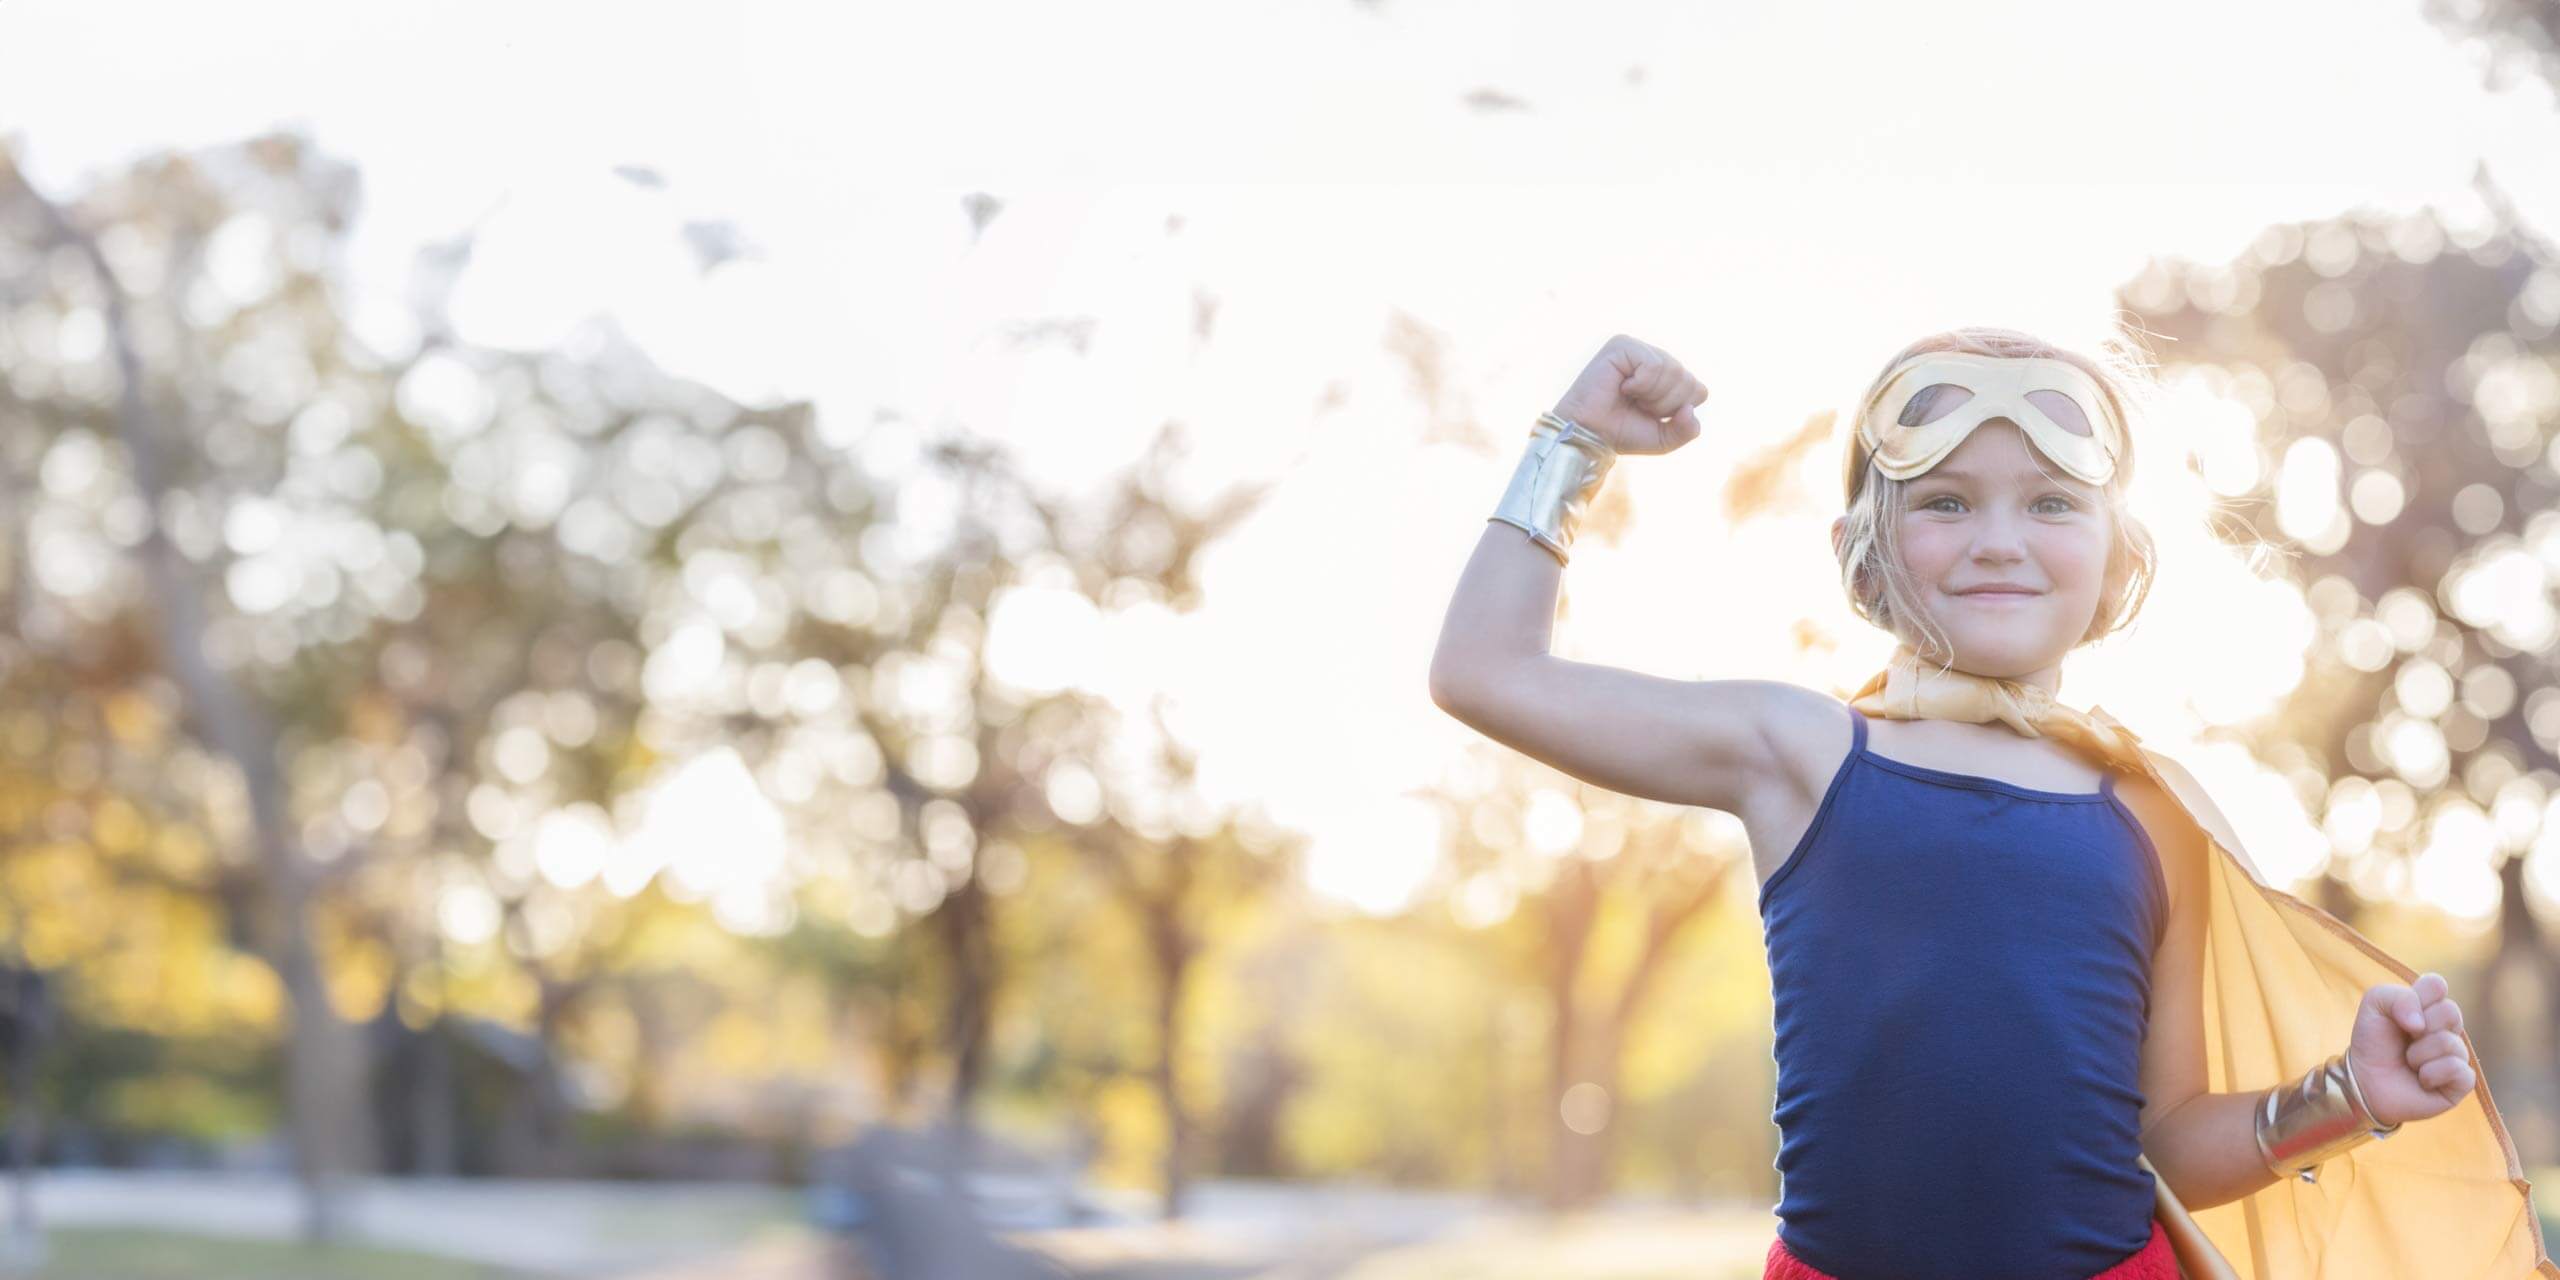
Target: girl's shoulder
{"points": [[1812, 735], [2176, 838]]}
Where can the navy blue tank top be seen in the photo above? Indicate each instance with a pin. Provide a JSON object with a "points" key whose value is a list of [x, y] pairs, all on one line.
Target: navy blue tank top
{"points": [[1961, 969]]}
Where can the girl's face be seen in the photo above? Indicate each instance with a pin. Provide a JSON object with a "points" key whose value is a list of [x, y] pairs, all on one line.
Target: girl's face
{"points": [[1988, 516]]}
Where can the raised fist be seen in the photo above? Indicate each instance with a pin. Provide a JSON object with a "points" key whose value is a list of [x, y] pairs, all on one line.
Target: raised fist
{"points": [[1636, 397]]}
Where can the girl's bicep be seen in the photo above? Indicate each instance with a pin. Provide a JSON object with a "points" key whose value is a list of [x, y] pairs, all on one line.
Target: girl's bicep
{"points": [[1708, 743]]}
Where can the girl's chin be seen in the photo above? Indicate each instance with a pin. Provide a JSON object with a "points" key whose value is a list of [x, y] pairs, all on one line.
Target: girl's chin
{"points": [[2003, 660]]}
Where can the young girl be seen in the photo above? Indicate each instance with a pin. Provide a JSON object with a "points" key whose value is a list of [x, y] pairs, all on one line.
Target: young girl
{"points": [[2036, 1014]]}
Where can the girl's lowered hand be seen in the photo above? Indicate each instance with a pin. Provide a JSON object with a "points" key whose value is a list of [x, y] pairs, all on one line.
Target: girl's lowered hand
{"points": [[2411, 1057]]}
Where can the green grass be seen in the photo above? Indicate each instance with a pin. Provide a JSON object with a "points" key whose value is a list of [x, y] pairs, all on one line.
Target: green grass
{"points": [[104, 1253]]}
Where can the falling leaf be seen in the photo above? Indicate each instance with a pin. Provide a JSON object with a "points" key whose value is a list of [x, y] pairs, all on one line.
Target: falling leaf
{"points": [[1759, 482]]}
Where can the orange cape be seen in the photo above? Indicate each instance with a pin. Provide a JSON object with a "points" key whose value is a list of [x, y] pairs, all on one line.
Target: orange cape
{"points": [[2443, 1198]]}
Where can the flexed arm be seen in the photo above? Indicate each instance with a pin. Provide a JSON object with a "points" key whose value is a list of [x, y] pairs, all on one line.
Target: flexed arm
{"points": [[1692, 742]]}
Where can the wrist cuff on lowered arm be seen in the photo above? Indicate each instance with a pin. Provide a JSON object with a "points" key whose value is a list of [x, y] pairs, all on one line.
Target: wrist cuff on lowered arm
{"points": [[2308, 1120]]}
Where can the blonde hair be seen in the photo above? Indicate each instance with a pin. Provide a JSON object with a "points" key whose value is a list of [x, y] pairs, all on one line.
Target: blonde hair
{"points": [[1884, 593]]}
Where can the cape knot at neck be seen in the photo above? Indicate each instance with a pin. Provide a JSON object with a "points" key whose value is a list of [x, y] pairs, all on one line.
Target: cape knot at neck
{"points": [[1909, 689]]}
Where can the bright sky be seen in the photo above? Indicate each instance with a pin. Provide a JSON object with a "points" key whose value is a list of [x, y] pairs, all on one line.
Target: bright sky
{"points": [[1781, 195]]}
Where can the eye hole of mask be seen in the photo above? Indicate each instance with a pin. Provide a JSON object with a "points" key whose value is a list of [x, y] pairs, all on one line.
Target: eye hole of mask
{"points": [[1936, 401], [1931, 403], [2064, 410]]}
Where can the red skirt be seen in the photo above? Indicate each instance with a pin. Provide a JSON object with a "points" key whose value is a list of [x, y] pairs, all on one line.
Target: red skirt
{"points": [[2153, 1262]]}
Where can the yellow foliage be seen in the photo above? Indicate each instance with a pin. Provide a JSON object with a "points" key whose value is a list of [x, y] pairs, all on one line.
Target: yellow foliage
{"points": [[486, 986], [1713, 991], [251, 991], [165, 972], [174, 976], [118, 828], [25, 732], [420, 998], [735, 1044], [135, 720], [180, 1102], [801, 1029], [183, 851], [359, 979], [1132, 1134], [1407, 1064], [608, 1033], [58, 892]]}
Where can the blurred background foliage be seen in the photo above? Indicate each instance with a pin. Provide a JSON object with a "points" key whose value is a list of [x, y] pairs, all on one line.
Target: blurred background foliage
{"points": [[474, 762]]}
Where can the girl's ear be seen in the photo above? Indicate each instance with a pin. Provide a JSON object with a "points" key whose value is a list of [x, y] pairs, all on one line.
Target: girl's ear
{"points": [[2111, 586], [1839, 534]]}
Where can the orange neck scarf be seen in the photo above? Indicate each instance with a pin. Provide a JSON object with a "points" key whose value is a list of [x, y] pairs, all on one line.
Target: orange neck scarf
{"points": [[1909, 689]]}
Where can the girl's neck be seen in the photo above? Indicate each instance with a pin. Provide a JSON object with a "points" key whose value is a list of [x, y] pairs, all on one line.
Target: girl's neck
{"points": [[2047, 678]]}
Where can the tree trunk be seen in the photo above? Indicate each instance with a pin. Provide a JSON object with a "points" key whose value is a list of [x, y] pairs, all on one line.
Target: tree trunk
{"points": [[1571, 906], [1591, 1154], [550, 1083], [431, 1105], [961, 922], [324, 1087], [1173, 965], [34, 1017]]}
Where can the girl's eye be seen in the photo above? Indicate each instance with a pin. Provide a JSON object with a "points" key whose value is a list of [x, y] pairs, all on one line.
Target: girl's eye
{"points": [[2063, 505]]}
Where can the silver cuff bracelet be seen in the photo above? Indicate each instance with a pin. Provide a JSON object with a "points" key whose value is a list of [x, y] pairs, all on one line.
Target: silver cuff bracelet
{"points": [[1555, 481], [2306, 1121]]}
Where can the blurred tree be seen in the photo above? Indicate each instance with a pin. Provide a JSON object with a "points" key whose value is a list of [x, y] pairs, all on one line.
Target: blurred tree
{"points": [[1585, 893], [2403, 378], [944, 742], [1184, 874], [1410, 1034], [2521, 37], [163, 217], [1175, 866], [27, 1004], [413, 598], [1261, 1073]]}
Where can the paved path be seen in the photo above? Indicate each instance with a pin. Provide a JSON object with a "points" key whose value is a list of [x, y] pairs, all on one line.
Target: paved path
{"points": [[572, 1229], [1345, 1231], [1236, 1230], [784, 1260]]}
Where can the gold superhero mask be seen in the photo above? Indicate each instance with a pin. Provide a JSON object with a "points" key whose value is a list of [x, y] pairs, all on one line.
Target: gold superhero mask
{"points": [[2062, 409]]}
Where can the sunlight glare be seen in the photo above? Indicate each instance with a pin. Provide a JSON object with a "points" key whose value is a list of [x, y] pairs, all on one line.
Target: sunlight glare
{"points": [[708, 824], [2307, 494], [2452, 872], [1040, 638], [572, 845], [1378, 860]]}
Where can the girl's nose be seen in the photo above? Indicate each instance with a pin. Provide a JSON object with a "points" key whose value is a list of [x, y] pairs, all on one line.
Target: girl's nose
{"points": [[1997, 537]]}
